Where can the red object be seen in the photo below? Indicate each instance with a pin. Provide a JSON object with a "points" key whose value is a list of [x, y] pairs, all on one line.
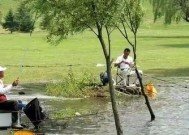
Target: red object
{"points": [[3, 98]]}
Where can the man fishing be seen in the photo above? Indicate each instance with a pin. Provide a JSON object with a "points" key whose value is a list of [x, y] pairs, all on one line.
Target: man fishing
{"points": [[32, 109], [8, 105], [124, 63]]}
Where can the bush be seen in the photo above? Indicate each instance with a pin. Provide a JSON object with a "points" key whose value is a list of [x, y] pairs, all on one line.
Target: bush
{"points": [[72, 86]]}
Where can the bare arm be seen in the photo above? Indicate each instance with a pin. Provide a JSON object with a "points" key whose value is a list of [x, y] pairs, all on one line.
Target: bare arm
{"points": [[7, 88]]}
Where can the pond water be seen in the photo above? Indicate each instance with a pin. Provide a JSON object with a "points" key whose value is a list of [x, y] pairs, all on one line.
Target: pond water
{"points": [[171, 108]]}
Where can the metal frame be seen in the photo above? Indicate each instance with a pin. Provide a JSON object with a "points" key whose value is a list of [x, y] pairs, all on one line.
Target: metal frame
{"points": [[119, 78]]}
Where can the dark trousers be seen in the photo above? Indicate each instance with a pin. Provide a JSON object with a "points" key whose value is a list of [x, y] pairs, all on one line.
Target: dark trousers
{"points": [[10, 105]]}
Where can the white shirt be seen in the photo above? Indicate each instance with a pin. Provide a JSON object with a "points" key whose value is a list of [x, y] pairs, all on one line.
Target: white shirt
{"points": [[4, 89], [124, 65]]}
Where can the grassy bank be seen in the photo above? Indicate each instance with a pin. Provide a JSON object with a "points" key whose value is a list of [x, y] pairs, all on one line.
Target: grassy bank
{"points": [[162, 51]]}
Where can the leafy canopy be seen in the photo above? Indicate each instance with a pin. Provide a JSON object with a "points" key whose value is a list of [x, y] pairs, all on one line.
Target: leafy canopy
{"points": [[64, 17], [171, 10], [132, 14]]}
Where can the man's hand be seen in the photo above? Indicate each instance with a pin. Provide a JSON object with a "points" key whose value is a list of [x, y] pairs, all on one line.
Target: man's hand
{"points": [[118, 64], [15, 83], [127, 63]]}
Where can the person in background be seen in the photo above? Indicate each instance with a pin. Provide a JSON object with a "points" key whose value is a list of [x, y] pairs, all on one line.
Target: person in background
{"points": [[124, 63], [8, 105], [104, 78]]}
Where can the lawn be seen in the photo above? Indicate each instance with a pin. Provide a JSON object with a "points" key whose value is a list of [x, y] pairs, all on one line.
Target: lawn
{"points": [[161, 51]]}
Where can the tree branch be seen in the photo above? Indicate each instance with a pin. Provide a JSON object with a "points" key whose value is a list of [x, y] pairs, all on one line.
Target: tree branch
{"points": [[109, 44], [99, 28], [91, 29], [125, 34], [84, 23], [130, 20]]}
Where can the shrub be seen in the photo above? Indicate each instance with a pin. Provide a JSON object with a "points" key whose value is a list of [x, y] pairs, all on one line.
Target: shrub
{"points": [[71, 85]]}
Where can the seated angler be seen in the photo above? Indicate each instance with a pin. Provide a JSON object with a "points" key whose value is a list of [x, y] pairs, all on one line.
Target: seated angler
{"points": [[125, 64], [8, 105]]}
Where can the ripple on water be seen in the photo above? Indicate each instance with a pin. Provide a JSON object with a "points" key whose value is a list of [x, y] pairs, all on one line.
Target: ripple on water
{"points": [[171, 109]]}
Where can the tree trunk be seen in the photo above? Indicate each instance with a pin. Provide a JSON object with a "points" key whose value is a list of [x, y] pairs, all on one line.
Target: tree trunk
{"points": [[145, 96], [111, 87], [113, 100]]}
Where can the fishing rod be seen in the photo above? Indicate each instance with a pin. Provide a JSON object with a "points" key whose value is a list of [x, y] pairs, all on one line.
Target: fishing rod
{"points": [[25, 52]]}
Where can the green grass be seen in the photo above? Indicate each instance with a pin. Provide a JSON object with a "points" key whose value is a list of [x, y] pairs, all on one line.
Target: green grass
{"points": [[161, 51]]}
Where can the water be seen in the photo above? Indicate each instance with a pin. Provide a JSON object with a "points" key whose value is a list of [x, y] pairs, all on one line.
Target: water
{"points": [[171, 109]]}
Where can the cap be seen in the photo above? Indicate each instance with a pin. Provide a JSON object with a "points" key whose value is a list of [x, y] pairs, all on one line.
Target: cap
{"points": [[2, 68]]}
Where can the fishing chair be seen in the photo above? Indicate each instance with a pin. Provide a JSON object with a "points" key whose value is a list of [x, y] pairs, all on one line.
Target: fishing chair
{"points": [[119, 77]]}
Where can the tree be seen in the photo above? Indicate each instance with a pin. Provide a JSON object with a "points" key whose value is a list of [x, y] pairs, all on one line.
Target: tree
{"points": [[0, 17], [63, 18], [10, 23], [130, 20], [23, 19], [171, 10]]}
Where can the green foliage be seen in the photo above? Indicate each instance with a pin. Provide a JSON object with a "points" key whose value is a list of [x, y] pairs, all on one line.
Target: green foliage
{"points": [[132, 14], [130, 20], [0, 17], [10, 23], [71, 85], [171, 10], [23, 19], [64, 18]]}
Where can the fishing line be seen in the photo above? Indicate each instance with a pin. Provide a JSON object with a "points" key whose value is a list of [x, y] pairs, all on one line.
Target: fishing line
{"points": [[25, 50]]}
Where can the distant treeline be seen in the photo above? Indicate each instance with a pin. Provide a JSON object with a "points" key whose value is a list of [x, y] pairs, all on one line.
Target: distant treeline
{"points": [[19, 20]]}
